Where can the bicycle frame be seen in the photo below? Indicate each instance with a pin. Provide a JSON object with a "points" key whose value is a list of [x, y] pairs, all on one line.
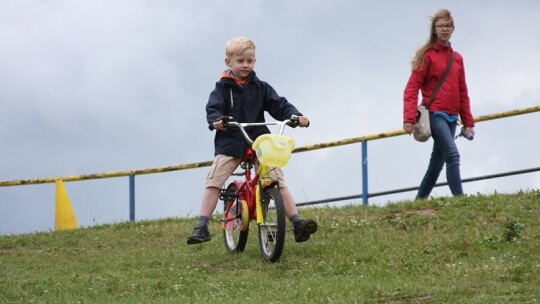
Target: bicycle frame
{"points": [[249, 190], [243, 199]]}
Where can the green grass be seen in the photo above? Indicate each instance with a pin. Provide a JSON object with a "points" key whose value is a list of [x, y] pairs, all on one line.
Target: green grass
{"points": [[474, 249]]}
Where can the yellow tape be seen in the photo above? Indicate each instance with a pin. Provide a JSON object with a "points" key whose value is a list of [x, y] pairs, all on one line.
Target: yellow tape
{"points": [[331, 144]]}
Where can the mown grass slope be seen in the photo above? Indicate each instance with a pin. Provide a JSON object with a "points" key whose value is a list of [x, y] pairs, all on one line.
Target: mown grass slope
{"points": [[474, 249]]}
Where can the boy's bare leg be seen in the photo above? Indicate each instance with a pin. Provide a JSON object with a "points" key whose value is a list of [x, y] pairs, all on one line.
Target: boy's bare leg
{"points": [[288, 202], [209, 201]]}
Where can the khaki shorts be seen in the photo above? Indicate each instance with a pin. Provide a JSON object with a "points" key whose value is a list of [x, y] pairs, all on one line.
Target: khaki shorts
{"points": [[223, 167]]}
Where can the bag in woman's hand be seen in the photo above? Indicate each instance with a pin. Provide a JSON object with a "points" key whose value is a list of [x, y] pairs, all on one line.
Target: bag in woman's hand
{"points": [[422, 129]]}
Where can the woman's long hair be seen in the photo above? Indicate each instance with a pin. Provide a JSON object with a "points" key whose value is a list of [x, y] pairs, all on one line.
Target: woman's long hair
{"points": [[418, 61]]}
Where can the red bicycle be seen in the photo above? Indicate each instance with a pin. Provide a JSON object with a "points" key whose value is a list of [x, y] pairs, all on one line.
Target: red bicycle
{"points": [[257, 197]]}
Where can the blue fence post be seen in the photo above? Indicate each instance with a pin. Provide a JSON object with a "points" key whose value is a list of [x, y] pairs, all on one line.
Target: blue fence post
{"points": [[365, 190], [131, 198]]}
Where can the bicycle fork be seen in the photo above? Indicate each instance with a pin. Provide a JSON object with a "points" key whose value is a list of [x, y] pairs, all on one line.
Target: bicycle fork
{"points": [[258, 204], [261, 185]]}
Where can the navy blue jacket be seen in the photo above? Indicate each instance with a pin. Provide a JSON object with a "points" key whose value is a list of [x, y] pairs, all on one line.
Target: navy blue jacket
{"points": [[248, 104]]}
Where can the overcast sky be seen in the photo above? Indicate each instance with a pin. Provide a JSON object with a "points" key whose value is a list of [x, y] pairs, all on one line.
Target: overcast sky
{"points": [[100, 86]]}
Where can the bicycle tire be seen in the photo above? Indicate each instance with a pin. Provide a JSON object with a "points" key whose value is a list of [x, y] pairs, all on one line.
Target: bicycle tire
{"points": [[235, 221], [272, 229]]}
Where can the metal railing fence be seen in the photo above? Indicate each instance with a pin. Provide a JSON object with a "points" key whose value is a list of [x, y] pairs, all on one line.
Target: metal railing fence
{"points": [[361, 139]]}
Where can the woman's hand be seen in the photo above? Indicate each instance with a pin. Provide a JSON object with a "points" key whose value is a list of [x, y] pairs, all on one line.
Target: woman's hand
{"points": [[469, 130], [408, 127]]}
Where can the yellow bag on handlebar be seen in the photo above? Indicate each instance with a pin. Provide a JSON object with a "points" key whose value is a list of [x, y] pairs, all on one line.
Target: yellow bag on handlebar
{"points": [[273, 150]]}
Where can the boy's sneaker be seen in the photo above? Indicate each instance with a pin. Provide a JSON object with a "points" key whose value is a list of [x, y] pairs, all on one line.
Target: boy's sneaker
{"points": [[303, 229], [199, 235]]}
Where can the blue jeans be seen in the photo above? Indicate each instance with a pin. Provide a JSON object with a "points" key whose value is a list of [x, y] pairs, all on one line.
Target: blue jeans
{"points": [[444, 151]]}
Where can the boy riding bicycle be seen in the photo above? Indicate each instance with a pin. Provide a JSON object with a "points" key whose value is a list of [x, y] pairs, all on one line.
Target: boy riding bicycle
{"points": [[240, 94]]}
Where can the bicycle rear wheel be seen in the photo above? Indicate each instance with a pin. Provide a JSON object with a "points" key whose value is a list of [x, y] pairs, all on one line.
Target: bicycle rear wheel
{"points": [[235, 221], [272, 229]]}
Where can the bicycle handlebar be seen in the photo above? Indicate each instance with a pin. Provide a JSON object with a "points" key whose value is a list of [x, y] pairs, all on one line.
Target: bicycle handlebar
{"points": [[229, 121]]}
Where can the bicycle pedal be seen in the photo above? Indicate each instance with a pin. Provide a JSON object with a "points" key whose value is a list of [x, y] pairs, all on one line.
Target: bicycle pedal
{"points": [[227, 196]]}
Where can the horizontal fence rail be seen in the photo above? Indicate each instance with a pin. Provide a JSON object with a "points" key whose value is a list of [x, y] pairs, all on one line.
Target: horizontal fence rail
{"points": [[361, 139], [353, 140], [72, 178]]}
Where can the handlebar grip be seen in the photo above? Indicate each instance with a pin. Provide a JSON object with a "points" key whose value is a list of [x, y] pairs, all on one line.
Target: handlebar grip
{"points": [[294, 121]]}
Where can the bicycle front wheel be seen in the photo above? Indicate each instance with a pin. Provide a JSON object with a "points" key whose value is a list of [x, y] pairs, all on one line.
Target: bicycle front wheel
{"points": [[235, 221], [272, 228]]}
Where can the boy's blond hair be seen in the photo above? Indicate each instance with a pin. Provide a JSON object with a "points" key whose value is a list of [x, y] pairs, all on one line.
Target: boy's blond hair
{"points": [[238, 45]]}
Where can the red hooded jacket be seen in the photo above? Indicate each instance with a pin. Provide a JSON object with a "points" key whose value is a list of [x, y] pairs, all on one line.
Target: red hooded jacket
{"points": [[453, 96]]}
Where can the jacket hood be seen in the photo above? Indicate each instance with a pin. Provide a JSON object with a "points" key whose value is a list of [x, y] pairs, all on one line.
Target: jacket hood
{"points": [[227, 74]]}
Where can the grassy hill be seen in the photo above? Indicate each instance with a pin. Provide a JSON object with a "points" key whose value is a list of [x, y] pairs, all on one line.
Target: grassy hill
{"points": [[475, 249]]}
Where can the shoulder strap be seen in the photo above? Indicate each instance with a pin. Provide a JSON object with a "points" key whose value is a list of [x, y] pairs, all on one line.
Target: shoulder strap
{"points": [[441, 81]]}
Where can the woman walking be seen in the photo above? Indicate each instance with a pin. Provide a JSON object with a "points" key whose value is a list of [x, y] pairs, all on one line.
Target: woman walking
{"points": [[450, 103]]}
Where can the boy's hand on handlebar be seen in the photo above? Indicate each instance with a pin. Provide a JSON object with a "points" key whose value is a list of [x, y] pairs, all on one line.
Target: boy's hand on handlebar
{"points": [[218, 125], [303, 122]]}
